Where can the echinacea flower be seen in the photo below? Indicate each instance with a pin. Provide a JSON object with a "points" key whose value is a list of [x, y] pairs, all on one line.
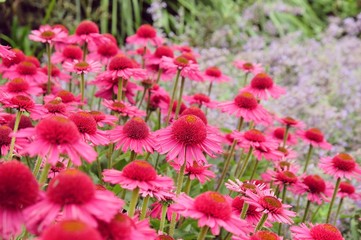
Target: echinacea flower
{"points": [[23, 103], [346, 189], [104, 52], [18, 191], [82, 67], [213, 210], [54, 136], [254, 139], [264, 235], [68, 54], [87, 32], [70, 229], [315, 187], [137, 174], [196, 171], [48, 34], [56, 74], [315, 137], [21, 86], [278, 135], [134, 135], [248, 67], [5, 139], [214, 74], [188, 68], [26, 70], [72, 195], [323, 231], [7, 63], [244, 187], [102, 118], [262, 86], [186, 140], [200, 99], [156, 57], [123, 108], [55, 107], [252, 216], [267, 203], [246, 105], [145, 34], [291, 122], [340, 166], [5, 52]]}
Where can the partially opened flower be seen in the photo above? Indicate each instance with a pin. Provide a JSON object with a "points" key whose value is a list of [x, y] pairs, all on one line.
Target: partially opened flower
{"points": [[70, 230], [346, 189], [323, 231], [5, 52], [83, 67], [26, 70], [123, 108], [134, 135], [54, 136], [186, 141], [48, 34], [267, 203], [200, 99], [244, 187], [213, 210], [246, 105], [18, 191], [145, 34], [340, 166], [214, 74], [291, 122], [315, 137], [248, 67], [71, 195], [315, 187], [199, 172], [262, 86]]}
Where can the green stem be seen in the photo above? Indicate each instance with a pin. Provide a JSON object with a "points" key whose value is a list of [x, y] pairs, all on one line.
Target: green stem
{"points": [[285, 136], [210, 88], [308, 157], [37, 166], [114, 16], [306, 210], [245, 79], [133, 202], [173, 96], [120, 89], [245, 163], [203, 233], [244, 210], [85, 50], [133, 155], [315, 213], [163, 217], [338, 210], [13, 138], [261, 222], [48, 51], [142, 98], [254, 169], [82, 87], [44, 174], [159, 74], [333, 199], [239, 163], [179, 103], [188, 185], [110, 153], [284, 190], [144, 207]]}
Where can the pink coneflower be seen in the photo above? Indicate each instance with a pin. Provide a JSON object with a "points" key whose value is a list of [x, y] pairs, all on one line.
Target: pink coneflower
{"points": [[71, 195], [18, 191], [102, 119], [57, 168], [56, 74], [5, 139], [188, 68], [316, 188], [252, 216], [279, 133], [122, 227], [55, 107], [7, 63], [137, 174], [200, 99], [315, 137], [144, 35], [123, 108], [26, 70], [134, 135], [66, 97], [323, 231], [70, 229], [156, 209], [104, 52], [264, 235], [48, 34], [255, 139], [214, 74], [196, 171], [340, 166], [248, 67], [186, 140], [87, 127], [87, 32], [25, 122], [123, 67], [23, 103], [283, 178], [57, 135], [21, 86], [267, 203], [346, 189], [156, 57], [211, 209], [246, 105], [291, 122], [83, 67], [262, 86], [5, 52], [270, 154], [68, 54], [244, 187]]}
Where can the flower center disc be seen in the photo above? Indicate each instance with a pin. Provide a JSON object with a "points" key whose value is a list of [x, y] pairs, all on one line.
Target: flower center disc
{"points": [[195, 168], [18, 85], [66, 96], [214, 205], [314, 134], [120, 63], [248, 66], [346, 187], [163, 51], [213, 72], [22, 101], [189, 130], [86, 27], [55, 106], [262, 81], [136, 128], [140, 170], [246, 100], [271, 203], [344, 162], [325, 232], [254, 135], [289, 121], [201, 97], [81, 66], [107, 49], [315, 183], [85, 122], [146, 31], [181, 61], [5, 139], [47, 35], [70, 229], [73, 52], [286, 177], [26, 68]]}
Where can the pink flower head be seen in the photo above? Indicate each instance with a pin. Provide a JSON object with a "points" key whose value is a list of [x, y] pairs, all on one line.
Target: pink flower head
{"points": [[340, 166], [87, 127], [23, 103], [5, 52], [26, 70], [315, 137], [156, 57], [264, 235], [291, 122], [248, 67], [270, 154], [57, 135], [104, 52], [7, 63], [187, 66], [213, 210], [283, 178], [346, 189], [68, 54], [101, 118], [18, 191], [144, 35], [200, 99], [56, 74], [137, 174], [255, 139], [214, 74], [66, 97], [156, 209], [197, 171], [48, 34], [278, 134], [123, 108], [134, 135], [70, 229], [83, 67], [5, 139], [246, 186], [123, 67], [186, 140], [316, 188], [262, 86], [322, 231], [87, 32], [246, 105], [72, 195], [21, 86], [267, 203]]}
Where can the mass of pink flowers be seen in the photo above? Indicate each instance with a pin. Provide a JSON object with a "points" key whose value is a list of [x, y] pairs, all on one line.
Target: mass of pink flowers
{"points": [[100, 140]]}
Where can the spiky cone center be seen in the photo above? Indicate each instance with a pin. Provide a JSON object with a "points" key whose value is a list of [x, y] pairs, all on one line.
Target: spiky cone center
{"points": [[18, 85], [81, 66], [73, 52], [85, 122], [108, 49], [279, 133], [55, 106], [120, 227], [213, 72], [23, 102], [264, 235], [66, 96], [26, 68], [262, 81], [98, 116], [254, 135], [344, 162], [246, 100], [315, 184], [213, 204], [314, 134], [238, 203], [19, 56], [140, 170], [25, 122], [5, 139], [270, 203], [201, 97], [86, 27], [47, 35], [146, 31], [325, 232], [136, 128], [248, 66], [163, 51], [195, 168], [346, 187], [289, 121], [284, 165], [181, 61], [189, 130], [196, 112], [120, 62], [286, 177]]}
